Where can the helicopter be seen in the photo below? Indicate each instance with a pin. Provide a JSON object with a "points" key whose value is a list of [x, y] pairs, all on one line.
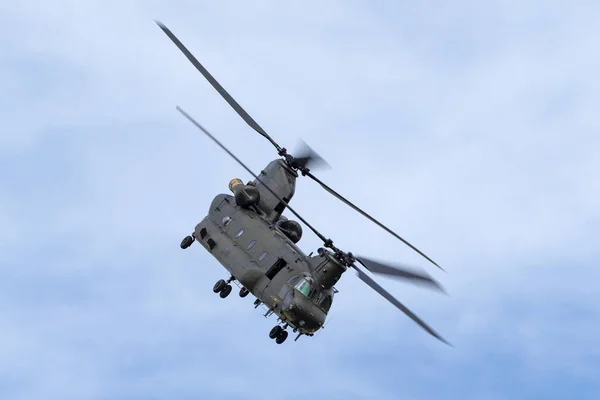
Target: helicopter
{"points": [[246, 232]]}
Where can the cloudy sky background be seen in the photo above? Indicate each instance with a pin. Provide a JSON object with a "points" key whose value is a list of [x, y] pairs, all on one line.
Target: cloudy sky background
{"points": [[469, 129]]}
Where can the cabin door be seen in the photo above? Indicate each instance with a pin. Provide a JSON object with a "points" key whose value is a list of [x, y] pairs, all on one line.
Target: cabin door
{"points": [[264, 280]]}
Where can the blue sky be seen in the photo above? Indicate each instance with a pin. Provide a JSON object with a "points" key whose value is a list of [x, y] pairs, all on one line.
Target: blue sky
{"points": [[469, 129]]}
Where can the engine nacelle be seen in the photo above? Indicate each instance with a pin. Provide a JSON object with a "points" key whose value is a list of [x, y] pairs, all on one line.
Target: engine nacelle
{"points": [[245, 195], [290, 228]]}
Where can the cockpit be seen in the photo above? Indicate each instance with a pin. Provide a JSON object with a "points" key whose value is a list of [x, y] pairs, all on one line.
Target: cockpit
{"points": [[305, 305], [306, 286]]}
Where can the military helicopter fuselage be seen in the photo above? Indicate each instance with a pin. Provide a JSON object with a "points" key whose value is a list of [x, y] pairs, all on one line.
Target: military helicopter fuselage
{"points": [[247, 233]]}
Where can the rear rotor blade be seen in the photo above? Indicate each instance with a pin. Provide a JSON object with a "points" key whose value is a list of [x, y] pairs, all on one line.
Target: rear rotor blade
{"points": [[375, 286], [325, 240], [241, 112], [306, 157], [354, 207], [416, 277]]}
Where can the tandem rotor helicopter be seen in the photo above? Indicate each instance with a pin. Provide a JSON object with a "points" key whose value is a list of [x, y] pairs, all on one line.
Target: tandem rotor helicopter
{"points": [[247, 233]]}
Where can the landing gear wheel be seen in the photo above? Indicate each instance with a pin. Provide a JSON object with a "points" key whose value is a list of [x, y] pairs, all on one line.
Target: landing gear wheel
{"points": [[244, 292], [186, 242], [281, 337], [219, 286], [225, 292], [275, 332]]}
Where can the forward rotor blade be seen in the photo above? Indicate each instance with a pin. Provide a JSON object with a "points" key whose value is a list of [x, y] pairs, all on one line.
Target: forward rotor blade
{"points": [[234, 104], [375, 286], [415, 277], [251, 173], [343, 199]]}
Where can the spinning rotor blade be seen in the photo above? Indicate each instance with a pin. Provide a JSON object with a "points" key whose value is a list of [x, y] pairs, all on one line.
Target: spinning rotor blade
{"points": [[375, 286], [416, 277], [234, 104], [355, 208], [306, 157]]}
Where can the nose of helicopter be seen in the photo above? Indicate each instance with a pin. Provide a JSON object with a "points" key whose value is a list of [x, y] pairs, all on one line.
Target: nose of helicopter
{"points": [[306, 315]]}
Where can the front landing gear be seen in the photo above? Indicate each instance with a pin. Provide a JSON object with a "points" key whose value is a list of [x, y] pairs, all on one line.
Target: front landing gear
{"points": [[187, 242], [279, 334], [225, 292], [220, 285]]}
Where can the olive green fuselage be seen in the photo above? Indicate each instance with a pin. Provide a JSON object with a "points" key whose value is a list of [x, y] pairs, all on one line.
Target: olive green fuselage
{"points": [[267, 263], [248, 242]]}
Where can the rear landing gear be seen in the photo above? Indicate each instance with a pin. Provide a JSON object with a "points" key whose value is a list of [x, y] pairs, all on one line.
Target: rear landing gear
{"points": [[187, 242], [244, 292], [279, 334]]}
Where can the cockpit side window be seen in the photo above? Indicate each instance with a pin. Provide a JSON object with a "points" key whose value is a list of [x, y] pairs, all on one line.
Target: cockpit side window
{"points": [[304, 287], [293, 280], [325, 303]]}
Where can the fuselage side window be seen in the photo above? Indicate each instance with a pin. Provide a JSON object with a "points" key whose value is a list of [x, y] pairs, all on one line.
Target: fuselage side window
{"points": [[251, 245], [262, 256]]}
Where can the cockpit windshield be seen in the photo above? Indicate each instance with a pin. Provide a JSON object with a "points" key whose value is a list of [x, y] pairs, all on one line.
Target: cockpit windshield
{"points": [[304, 287]]}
